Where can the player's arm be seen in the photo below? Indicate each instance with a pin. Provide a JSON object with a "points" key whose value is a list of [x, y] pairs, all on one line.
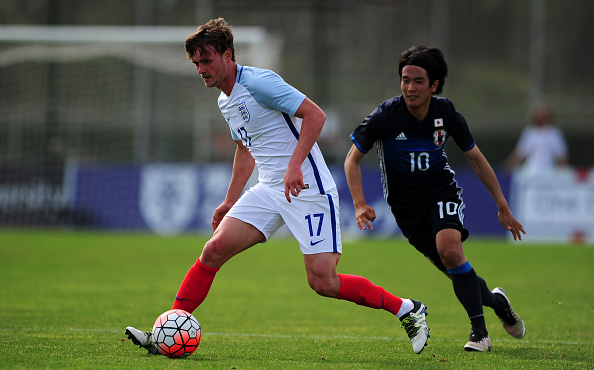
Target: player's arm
{"points": [[485, 173], [243, 166], [364, 213], [561, 159], [513, 161], [313, 121]]}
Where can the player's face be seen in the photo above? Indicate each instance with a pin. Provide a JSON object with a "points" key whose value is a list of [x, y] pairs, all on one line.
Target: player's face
{"points": [[212, 66], [415, 88]]}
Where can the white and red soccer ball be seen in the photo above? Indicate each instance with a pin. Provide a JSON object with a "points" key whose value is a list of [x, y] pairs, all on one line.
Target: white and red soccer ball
{"points": [[176, 333]]}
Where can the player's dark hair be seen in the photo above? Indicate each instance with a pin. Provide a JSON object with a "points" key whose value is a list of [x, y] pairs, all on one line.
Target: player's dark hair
{"points": [[215, 33], [430, 59]]}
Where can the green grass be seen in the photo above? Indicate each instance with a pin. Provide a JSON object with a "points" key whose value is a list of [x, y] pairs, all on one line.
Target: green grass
{"points": [[66, 297]]}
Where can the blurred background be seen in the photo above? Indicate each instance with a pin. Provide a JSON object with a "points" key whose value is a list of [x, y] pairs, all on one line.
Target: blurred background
{"points": [[106, 84]]}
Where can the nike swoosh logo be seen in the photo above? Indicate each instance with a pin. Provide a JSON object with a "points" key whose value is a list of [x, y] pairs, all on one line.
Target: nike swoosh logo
{"points": [[314, 243]]}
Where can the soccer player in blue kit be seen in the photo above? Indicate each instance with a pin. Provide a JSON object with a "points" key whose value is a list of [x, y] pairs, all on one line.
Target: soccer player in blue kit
{"points": [[410, 132], [275, 128]]}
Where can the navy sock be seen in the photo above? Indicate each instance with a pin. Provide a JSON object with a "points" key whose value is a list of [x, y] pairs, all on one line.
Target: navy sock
{"points": [[468, 291], [495, 301]]}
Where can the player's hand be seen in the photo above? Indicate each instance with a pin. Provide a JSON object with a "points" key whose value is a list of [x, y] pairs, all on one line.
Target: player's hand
{"points": [[293, 182], [365, 216], [510, 223], [219, 213]]}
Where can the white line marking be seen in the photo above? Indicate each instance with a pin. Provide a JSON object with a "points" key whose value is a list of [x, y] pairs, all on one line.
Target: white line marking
{"points": [[256, 335]]}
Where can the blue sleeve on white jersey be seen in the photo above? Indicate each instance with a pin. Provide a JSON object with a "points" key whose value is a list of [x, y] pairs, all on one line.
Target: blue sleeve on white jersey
{"points": [[233, 134], [270, 90]]}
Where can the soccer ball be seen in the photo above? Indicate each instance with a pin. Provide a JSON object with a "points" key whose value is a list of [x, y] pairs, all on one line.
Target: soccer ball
{"points": [[176, 333]]}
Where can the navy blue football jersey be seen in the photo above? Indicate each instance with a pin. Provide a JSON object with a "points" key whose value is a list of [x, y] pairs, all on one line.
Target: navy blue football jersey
{"points": [[413, 162]]}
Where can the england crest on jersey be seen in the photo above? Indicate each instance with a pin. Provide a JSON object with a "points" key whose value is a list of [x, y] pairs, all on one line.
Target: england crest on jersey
{"points": [[439, 137], [245, 114]]}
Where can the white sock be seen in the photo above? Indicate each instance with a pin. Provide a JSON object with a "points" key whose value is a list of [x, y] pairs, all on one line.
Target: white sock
{"points": [[407, 306]]}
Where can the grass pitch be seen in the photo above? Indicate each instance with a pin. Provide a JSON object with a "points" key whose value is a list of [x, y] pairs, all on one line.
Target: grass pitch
{"points": [[66, 298]]}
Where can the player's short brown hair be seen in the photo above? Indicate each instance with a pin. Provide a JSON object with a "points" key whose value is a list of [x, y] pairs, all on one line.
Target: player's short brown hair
{"points": [[215, 33]]}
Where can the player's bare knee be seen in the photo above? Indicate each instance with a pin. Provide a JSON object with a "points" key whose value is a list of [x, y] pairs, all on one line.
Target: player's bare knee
{"points": [[324, 291], [324, 287], [214, 253], [452, 258]]}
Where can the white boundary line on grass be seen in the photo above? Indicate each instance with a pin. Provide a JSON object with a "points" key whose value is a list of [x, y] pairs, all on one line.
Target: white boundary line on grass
{"points": [[313, 336]]}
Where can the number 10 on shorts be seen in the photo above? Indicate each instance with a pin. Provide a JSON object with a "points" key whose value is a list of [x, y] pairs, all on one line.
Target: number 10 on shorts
{"points": [[451, 208]]}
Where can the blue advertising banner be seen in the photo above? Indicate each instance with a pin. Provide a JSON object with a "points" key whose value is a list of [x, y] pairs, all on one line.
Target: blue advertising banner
{"points": [[173, 198]]}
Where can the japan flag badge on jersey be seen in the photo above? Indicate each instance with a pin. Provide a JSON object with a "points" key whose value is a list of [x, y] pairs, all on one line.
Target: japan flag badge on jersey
{"points": [[438, 122], [439, 137]]}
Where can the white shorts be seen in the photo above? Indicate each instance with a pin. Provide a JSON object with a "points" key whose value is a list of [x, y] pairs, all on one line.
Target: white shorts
{"points": [[312, 218]]}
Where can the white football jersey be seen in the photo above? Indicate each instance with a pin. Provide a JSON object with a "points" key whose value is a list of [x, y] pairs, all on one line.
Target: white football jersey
{"points": [[540, 147], [261, 112]]}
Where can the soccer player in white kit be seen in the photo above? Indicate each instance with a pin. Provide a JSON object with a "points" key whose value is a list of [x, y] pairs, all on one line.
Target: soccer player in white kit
{"points": [[541, 147], [275, 128]]}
